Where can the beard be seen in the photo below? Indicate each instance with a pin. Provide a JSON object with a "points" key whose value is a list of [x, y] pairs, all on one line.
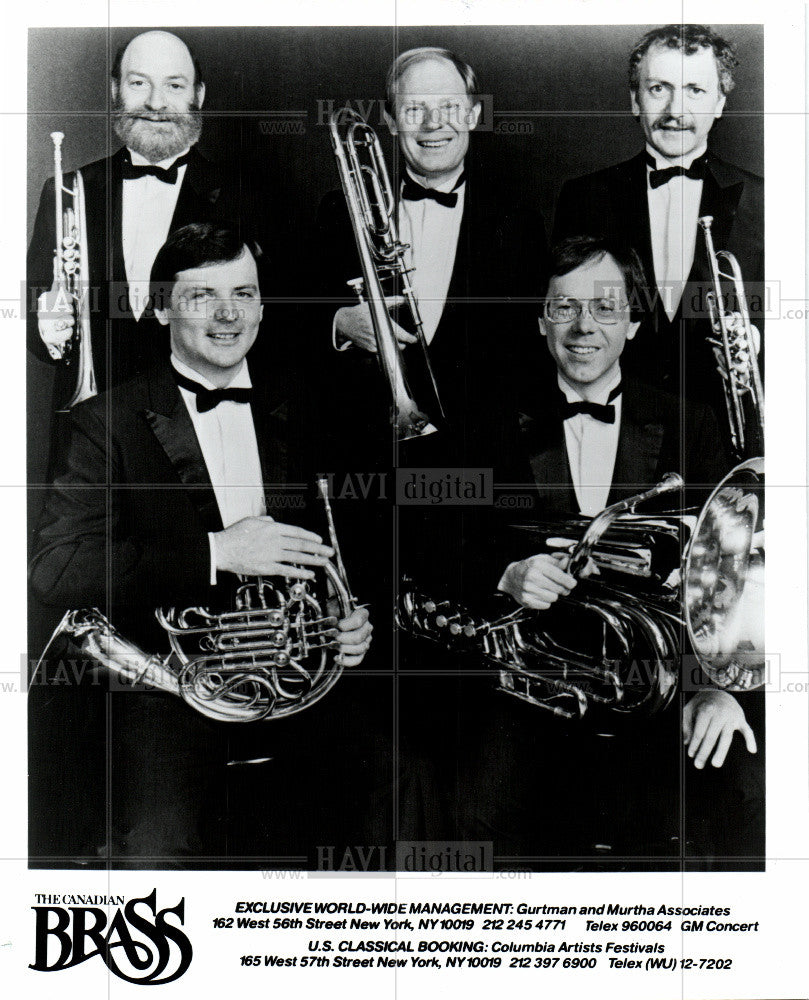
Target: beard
{"points": [[157, 135]]}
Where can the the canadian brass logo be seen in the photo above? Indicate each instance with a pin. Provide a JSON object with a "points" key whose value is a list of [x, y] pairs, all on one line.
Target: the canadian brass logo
{"points": [[138, 942]]}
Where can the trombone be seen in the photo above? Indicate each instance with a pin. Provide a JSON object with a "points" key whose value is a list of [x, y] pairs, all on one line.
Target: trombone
{"points": [[371, 207]]}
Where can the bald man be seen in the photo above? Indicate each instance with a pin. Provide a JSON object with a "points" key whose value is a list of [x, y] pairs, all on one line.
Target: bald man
{"points": [[157, 182]]}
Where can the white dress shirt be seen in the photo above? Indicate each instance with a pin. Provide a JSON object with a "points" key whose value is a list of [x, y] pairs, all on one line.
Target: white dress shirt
{"points": [[673, 214], [432, 231], [227, 439], [591, 448], [147, 210]]}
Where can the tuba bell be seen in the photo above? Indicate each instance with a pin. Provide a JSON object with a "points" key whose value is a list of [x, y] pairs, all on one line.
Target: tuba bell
{"points": [[663, 590], [372, 208], [71, 275], [270, 656]]}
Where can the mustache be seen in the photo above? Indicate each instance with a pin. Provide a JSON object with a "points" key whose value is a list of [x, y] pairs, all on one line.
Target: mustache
{"points": [[667, 120]]}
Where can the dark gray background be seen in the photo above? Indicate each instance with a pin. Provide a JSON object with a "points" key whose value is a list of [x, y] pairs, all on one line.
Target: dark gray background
{"points": [[568, 82]]}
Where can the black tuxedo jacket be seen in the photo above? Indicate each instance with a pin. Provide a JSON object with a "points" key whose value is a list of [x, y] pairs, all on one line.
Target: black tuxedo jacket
{"points": [[209, 192], [125, 527], [658, 434], [489, 321], [613, 201]]}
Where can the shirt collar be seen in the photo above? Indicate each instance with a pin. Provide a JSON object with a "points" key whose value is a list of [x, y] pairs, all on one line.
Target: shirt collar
{"points": [[572, 395], [141, 161], [445, 186], [684, 161], [241, 380]]}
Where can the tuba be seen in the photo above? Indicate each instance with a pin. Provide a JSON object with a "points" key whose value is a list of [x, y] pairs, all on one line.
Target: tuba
{"points": [[659, 586], [270, 656], [71, 276], [734, 347], [372, 207]]}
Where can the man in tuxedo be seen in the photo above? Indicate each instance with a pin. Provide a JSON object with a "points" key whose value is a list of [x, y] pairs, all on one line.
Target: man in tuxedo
{"points": [[155, 183], [591, 438], [680, 77], [474, 251], [540, 788], [171, 483]]}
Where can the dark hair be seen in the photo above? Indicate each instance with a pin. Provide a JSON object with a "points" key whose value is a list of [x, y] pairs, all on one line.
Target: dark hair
{"points": [[195, 245], [426, 53], [578, 250], [688, 38], [115, 72]]}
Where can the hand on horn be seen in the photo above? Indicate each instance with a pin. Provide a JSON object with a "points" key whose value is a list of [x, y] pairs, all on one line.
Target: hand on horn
{"points": [[538, 581], [262, 546]]}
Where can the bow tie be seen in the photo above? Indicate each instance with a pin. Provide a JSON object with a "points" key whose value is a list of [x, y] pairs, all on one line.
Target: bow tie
{"points": [[605, 412], [696, 171], [411, 191], [208, 399], [132, 171]]}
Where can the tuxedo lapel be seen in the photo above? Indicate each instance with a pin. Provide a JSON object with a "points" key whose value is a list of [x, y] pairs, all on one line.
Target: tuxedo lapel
{"points": [[640, 443], [168, 418], [720, 201], [635, 209], [199, 191], [271, 421], [542, 438]]}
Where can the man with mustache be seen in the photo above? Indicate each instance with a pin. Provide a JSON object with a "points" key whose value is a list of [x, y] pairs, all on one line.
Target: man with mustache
{"points": [[680, 77], [156, 183]]}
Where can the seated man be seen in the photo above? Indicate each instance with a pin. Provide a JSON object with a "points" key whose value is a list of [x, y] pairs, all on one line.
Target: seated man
{"points": [[578, 444], [167, 499]]}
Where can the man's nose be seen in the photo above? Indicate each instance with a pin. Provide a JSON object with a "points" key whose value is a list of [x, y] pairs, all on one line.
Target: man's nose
{"points": [[226, 311], [675, 102], [431, 119], [585, 322], [156, 98]]}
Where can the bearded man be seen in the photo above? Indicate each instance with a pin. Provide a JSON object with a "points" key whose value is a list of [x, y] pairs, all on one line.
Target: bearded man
{"points": [[155, 184]]}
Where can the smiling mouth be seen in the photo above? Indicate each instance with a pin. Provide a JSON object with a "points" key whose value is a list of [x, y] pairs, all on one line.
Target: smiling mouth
{"points": [[581, 351], [433, 143], [225, 338]]}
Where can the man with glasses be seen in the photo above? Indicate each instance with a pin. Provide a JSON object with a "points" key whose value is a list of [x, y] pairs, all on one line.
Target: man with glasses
{"points": [[587, 438]]}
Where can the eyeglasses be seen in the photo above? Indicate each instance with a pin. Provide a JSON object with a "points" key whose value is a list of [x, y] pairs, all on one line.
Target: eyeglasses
{"points": [[606, 311]]}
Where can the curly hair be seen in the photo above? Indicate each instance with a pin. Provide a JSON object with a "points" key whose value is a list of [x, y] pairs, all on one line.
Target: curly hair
{"points": [[688, 38]]}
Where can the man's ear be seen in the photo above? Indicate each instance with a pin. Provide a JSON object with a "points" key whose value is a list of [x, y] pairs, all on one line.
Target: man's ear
{"points": [[633, 329], [474, 115], [261, 312], [720, 107], [114, 90], [390, 121], [162, 316], [542, 328], [633, 103], [199, 91]]}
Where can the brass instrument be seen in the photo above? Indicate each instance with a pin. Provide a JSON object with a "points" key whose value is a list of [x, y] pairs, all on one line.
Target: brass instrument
{"points": [[272, 656], [372, 208], [620, 640], [735, 350], [71, 275]]}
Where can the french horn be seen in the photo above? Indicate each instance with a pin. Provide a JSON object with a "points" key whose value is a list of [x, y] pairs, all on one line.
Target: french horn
{"points": [[271, 655]]}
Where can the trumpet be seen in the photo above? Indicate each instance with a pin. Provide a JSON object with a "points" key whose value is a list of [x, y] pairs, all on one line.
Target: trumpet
{"points": [[372, 207], [735, 350], [71, 275], [659, 585], [271, 656]]}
